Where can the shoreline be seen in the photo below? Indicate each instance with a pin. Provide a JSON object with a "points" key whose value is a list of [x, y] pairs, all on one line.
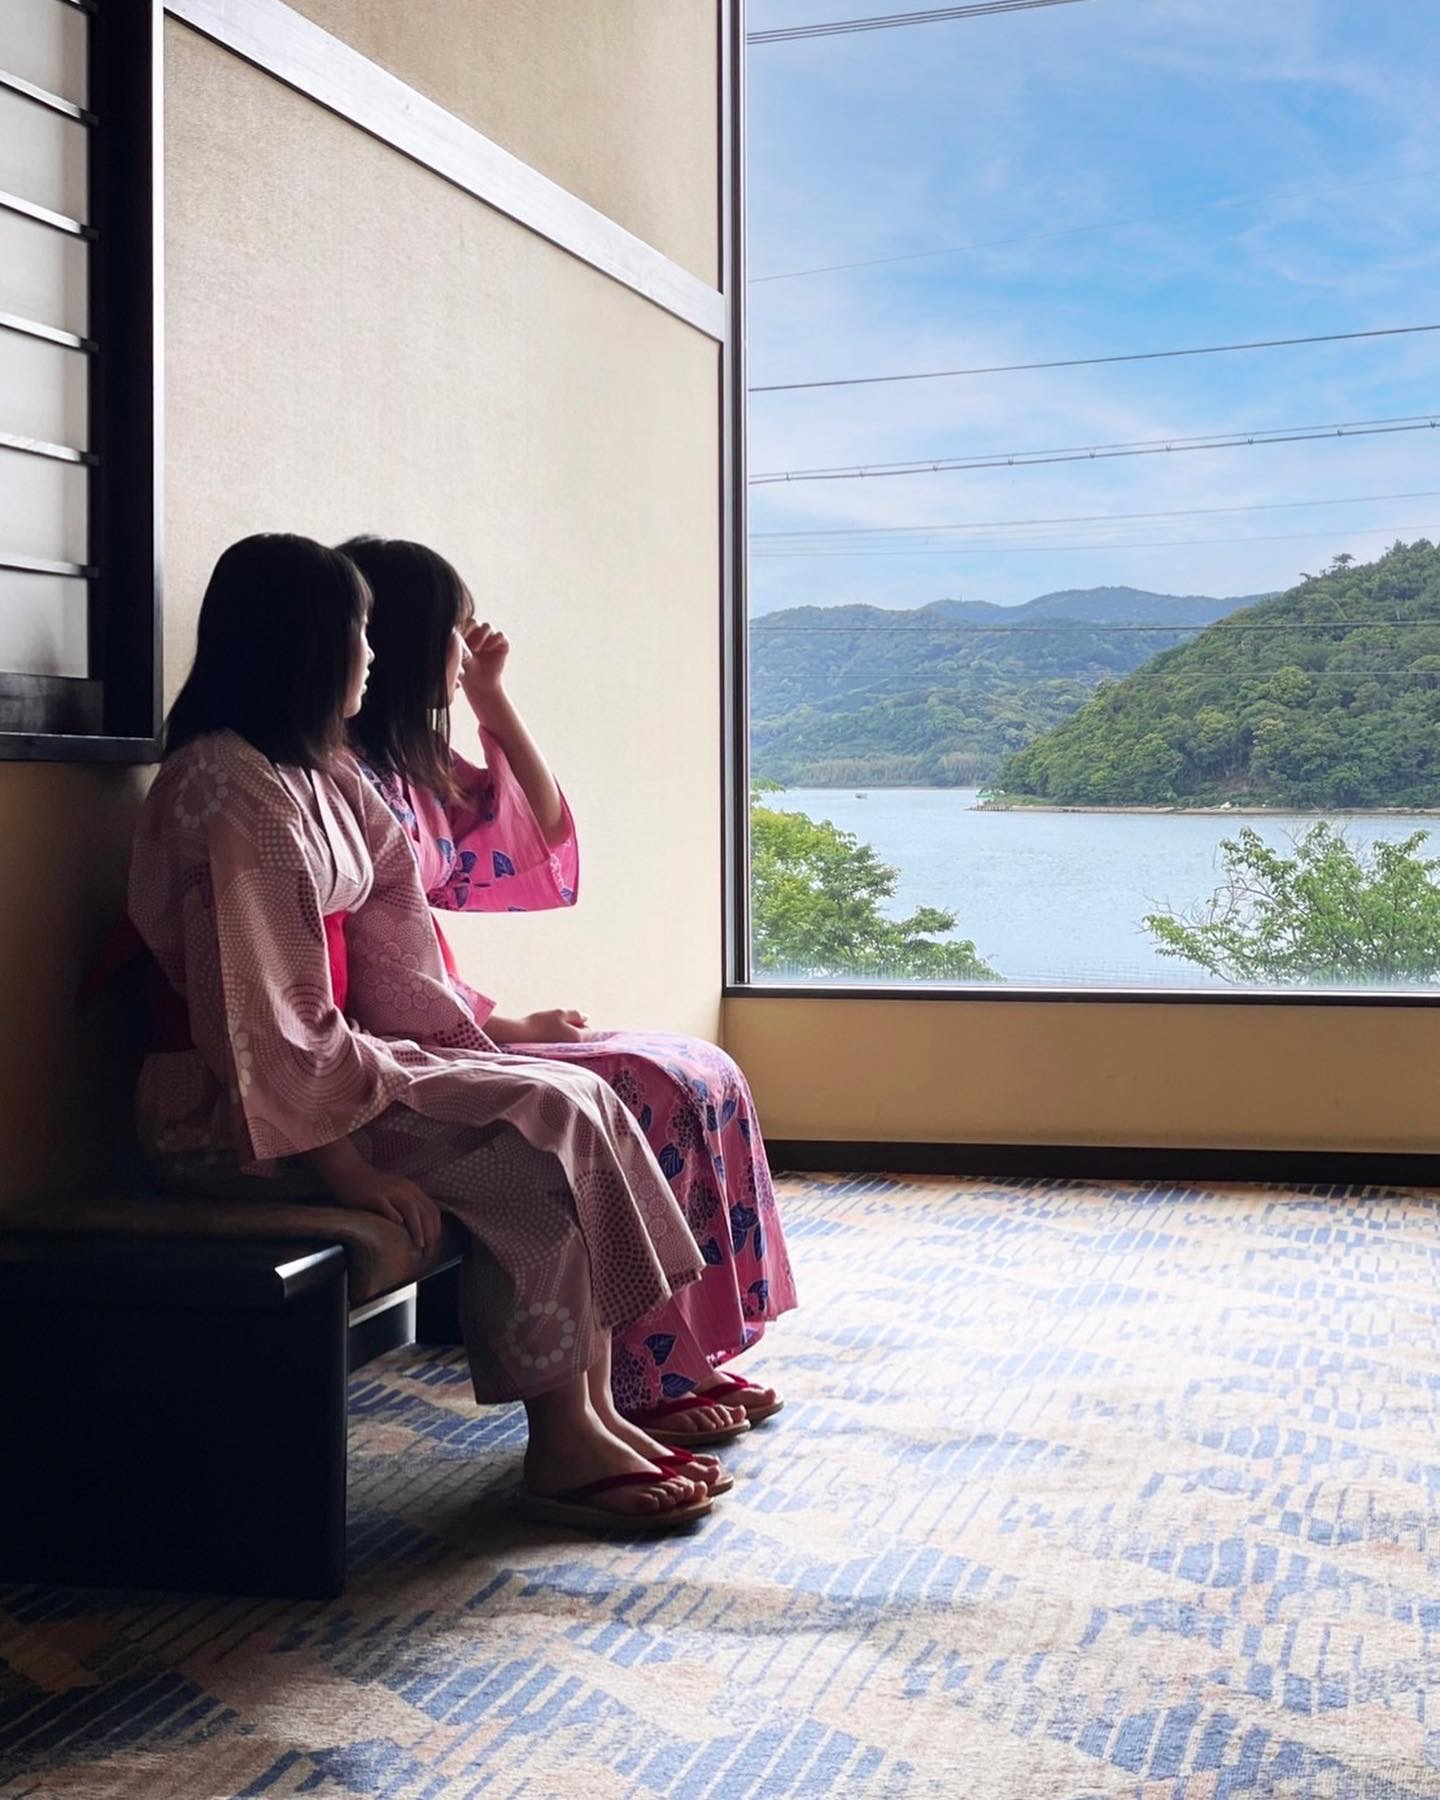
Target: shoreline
{"points": [[1222, 811]]}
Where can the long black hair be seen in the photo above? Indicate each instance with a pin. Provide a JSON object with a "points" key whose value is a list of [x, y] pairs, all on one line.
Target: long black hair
{"points": [[274, 650], [403, 728]]}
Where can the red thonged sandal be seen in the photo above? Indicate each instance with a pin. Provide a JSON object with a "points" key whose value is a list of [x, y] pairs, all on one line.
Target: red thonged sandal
{"points": [[652, 1421], [572, 1508], [682, 1462], [733, 1390]]}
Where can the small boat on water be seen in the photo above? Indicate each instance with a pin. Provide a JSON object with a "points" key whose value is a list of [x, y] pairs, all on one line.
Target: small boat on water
{"points": [[862, 796]]}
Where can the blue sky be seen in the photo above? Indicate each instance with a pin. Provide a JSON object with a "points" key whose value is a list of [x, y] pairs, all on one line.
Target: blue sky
{"points": [[1318, 119]]}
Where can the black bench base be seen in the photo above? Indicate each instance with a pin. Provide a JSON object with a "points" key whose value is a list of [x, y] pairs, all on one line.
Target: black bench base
{"points": [[172, 1415]]}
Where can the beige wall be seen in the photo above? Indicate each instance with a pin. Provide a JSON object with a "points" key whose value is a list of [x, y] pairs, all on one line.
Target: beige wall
{"points": [[614, 99], [353, 344], [1265, 1077]]}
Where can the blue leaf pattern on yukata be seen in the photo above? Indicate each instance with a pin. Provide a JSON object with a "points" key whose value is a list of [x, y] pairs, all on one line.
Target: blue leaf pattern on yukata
{"points": [[759, 1242], [671, 1161], [727, 1111], [712, 1121], [501, 863], [673, 1386], [660, 1344], [446, 849], [745, 1128], [712, 1253], [702, 1091], [567, 894], [743, 1220], [647, 1118], [720, 1167], [468, 860], [761, 1291]]}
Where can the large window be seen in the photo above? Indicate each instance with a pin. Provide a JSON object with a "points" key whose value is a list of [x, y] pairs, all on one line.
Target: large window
{"points": [[1093, 589], [79, 596]]}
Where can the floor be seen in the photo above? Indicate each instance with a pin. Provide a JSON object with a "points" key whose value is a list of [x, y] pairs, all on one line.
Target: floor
{"points": [[1081, 1491]]}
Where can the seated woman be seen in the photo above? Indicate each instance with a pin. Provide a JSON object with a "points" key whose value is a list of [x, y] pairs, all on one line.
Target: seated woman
{"points": [[501, 839], [258, 838]]}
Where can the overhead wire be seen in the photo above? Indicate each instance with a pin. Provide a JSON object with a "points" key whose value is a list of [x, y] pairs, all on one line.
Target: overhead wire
{"points": [[1259, 197], [932, 15], [1093, 362], [1019, 459], [1183, 512], [983, 549]]}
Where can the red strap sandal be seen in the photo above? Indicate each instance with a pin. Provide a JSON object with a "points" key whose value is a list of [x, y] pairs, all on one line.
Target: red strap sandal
{"points": [[683, 1462], [731, 1390], [572, 1508], [652, 1420]]}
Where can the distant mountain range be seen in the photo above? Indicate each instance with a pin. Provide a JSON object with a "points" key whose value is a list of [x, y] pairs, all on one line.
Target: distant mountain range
{"points": [[944, 694], [1324, 697]]}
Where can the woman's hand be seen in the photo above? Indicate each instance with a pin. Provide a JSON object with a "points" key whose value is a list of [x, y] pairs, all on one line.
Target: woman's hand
{"points": [[355, 1183], [399, 1200], [482, 674], [559, 1025]]}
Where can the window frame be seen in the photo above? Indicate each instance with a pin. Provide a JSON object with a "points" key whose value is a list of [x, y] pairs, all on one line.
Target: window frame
{"points": [[114, 713], [738, 979]]}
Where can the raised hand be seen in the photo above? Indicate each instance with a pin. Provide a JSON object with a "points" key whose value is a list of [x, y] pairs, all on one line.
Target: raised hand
{"points": [[482, 674]]}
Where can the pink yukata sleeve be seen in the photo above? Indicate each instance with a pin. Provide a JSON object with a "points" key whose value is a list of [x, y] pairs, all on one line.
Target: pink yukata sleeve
{"points": [[501, 861]]}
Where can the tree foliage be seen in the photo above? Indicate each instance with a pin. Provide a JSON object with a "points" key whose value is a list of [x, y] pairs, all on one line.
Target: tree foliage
{"points": [[1323, 697], [1326, 915], [815, 899], [942, 695]]}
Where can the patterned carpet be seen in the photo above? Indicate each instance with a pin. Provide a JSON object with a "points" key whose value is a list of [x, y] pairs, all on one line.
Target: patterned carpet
{"points": [[1081, 1491]]}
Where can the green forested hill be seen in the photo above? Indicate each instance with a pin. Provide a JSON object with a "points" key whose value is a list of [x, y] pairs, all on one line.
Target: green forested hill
{"points": [[943, 694], [1325, 696]]}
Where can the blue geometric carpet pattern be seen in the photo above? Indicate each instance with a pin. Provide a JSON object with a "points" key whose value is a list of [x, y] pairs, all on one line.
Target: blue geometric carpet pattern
{"points": [[1080, 1491]]}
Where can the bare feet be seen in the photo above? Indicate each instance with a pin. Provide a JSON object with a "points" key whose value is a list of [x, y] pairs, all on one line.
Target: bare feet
{"points": [[588, 1452], [749, 1400], [705, 1469]]}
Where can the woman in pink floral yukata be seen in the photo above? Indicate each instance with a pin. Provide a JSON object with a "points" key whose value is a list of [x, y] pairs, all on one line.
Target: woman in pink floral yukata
{"points": [[322, 1039], [501, 839]]}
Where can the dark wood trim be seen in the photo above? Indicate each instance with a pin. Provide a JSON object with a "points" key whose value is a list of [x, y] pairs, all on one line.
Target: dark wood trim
{"points": [[734, 691], [1090, 1162], [125, 378], [42, 215], [49, 334], [38, 96], [285, 44], [1003, 993], [57, 747]]}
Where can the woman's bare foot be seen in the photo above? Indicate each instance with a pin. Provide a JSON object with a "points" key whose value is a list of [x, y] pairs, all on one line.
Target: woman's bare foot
{"points": [[749, 1400], [705, 1468], [573, 1448]]}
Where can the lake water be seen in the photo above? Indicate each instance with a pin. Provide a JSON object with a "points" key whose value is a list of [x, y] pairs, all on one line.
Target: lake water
{"points": [[1059, 897]]}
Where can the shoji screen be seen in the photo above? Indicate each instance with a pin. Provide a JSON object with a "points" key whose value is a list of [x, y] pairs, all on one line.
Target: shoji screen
{"points": [[78, 312]]}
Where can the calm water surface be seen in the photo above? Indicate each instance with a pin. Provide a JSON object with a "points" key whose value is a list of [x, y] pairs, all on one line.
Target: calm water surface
{"points": [[1059, 897]]}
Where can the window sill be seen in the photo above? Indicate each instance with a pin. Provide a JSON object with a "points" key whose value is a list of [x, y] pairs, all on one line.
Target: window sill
{"points": [[1014, 992]]}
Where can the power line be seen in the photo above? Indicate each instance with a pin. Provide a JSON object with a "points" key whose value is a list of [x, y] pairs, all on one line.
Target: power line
{"points": [[1048, 626], [1033, 237], [1026, 459], [982, 549], [1092, 362], [789, 34], [1184, 512]]}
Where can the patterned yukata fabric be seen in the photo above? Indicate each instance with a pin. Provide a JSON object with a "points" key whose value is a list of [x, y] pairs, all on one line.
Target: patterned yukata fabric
{"points": [[689, 1098], [236, 862]]}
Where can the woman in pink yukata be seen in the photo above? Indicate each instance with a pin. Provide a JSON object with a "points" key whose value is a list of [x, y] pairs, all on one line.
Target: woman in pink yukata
{"points": [[323, 1039], [501, 839]]}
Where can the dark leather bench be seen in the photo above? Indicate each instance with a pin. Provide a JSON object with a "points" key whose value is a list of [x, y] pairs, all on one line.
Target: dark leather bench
{"points": [[173, 1385]]}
